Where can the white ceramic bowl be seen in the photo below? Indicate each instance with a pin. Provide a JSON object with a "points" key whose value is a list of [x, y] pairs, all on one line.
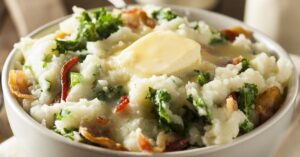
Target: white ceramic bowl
{"points": [[261, 142]]}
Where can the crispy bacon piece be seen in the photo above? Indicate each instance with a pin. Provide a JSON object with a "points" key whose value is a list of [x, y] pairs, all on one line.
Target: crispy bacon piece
{"points": [[18, 84], [144, 144], [231, 102], [232, 33], [164, 142], [102, 121], [101, 141], [267, 103], [236, 60], [135, 17], [123, 103], [64, 77], [146, 20], [177, 145]]}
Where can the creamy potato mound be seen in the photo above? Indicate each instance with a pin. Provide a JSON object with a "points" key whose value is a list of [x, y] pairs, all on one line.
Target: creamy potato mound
{"points": [[147, 79]]}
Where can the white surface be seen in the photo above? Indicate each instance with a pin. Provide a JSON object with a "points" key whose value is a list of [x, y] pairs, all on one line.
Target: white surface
{"points": [[11, 148]]}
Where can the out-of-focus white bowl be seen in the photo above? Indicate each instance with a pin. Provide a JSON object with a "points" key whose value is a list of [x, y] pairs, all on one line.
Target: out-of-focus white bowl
{"points": [[261, 142]]}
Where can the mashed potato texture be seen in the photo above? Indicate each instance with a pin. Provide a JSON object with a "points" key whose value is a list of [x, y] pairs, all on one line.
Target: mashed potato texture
{"points": [[147, 78]]}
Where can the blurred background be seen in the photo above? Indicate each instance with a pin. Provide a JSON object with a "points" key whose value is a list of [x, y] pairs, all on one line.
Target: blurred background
{"points": [[277, 18]]}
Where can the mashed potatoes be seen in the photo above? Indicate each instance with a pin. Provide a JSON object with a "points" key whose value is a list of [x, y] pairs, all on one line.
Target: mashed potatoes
{"points": [[147, 79]]}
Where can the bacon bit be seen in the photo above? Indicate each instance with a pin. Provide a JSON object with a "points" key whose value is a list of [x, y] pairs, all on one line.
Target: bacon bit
{"points": [[231, 102], [146, 20], [102, 121], [131, 20], [177, 145], [135, 17], [233, 32], [64, 77], [60, 35], [267, 103], [236, 60], [144, 143], [18, 84], [123, 103], [101, 141]]}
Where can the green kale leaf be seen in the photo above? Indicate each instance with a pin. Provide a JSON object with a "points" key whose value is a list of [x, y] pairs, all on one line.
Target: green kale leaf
{"points": [[62, 115], [168, 121], [110, 92], [246, 99], [245, 65], [201, 107], [164, 14], [97, 25], [202, 77], [75, 78], [246, 126]]}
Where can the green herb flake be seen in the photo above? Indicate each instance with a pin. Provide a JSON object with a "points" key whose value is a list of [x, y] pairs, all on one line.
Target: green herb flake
{"points": [[246, 99], [49, 86], [246, 126], [202, 77], [95, 25], [201, 107], [47, 59], [194, 25], [245, 65], [75, 78], [63, 114], [164, 14], [110, 93], [217, 38], [27, 67], [160, 99], [67, 133]]}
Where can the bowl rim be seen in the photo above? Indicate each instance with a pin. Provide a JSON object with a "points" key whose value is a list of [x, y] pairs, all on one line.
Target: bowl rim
{"points": [[286, 105]]}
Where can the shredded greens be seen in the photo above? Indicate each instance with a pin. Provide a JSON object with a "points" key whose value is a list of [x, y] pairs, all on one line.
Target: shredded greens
{"points": [[246, 126], [164, 14], [217, 38], [75, 78], [63, 114], [110, 92], [201, 107], [46, 60], [245, 65], [247, 95], [167, 120], [67, 133], [95, 25], [202, 77]]}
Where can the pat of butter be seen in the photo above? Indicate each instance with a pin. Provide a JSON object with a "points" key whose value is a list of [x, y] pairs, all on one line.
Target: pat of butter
{"points": [[157, 53]]}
